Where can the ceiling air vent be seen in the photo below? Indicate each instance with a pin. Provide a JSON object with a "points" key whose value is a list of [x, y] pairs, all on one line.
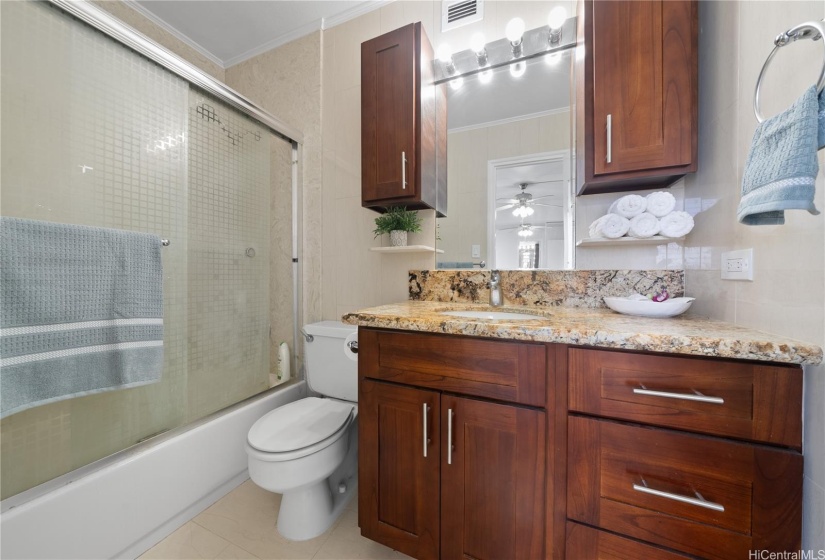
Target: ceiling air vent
{"points": [[455, 13]]}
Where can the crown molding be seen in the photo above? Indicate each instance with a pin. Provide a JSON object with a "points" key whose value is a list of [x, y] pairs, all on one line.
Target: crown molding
{"points": [[354, 12], [509, 120], [281, 40], [133, 4]]}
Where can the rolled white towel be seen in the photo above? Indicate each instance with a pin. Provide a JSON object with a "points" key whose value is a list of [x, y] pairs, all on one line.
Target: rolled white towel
{"points": [[676, 224], [660, 203], [613, 226], [628, 206], [643, 226], [594, 227]]}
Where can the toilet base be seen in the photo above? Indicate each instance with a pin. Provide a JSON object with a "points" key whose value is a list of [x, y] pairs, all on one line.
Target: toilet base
{"points": [[309, 511]]}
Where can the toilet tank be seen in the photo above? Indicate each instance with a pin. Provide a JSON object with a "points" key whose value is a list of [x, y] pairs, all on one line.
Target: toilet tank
{"points": [[331, 364]]}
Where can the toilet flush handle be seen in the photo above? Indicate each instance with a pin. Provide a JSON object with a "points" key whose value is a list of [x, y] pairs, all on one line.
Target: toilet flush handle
{"points": [[353, 346]]}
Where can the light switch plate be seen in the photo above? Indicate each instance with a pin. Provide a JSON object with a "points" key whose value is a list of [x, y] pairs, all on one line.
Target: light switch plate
{"points": [[476, 252], [737, 265]]}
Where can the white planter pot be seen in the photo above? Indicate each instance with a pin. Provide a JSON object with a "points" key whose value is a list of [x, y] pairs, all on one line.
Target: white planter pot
{"points": [[398, 238]]}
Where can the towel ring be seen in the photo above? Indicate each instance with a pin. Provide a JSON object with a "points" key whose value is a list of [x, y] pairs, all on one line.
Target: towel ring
{"points": [[813, 30]]}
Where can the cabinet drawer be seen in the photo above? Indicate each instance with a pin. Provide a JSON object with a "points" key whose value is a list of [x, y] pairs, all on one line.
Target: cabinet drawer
{"points": [[704, 496], [502, 370], [735, 399], [587, 542]]}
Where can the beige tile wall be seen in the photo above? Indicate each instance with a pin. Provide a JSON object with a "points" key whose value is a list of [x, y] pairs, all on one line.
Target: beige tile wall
{"points": [[787, 296]]}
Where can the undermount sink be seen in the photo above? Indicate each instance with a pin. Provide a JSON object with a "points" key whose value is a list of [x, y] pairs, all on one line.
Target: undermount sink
{"points": [[493, 315]]}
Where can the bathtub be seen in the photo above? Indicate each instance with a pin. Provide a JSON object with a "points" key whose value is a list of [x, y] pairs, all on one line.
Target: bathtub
{"points": [[121, 506]]}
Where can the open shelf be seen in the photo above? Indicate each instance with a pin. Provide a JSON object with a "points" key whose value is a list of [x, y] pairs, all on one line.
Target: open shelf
{"points": [[604, 242], [407, 249]]}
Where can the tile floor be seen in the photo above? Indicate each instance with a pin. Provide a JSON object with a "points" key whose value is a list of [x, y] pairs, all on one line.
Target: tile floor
{"points": [[242, 525]]}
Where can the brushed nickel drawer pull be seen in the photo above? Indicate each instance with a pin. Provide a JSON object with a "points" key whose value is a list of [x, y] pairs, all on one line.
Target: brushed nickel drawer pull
{"points": [[426, 439], [695, 396], [698, 501], [449, 436]]}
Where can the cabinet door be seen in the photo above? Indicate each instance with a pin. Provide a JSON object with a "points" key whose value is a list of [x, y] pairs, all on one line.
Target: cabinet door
{"points": [[644, 96], [398, 467], [388, 86], [492, 480]]}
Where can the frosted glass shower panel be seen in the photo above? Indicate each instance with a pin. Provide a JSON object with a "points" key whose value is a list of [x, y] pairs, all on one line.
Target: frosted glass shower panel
{"points": [[93, 134], [229, 198]]}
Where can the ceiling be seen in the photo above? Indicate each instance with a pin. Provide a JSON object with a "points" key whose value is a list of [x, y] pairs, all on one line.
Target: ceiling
{"points": [[230, 31]]}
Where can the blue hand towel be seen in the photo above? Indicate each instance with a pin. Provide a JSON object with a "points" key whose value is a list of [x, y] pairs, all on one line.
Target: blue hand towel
{"points": [[821, 143], [780, 172], [81, 311]]}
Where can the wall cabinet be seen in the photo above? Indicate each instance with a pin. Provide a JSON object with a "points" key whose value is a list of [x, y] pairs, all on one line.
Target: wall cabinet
{"points": [[403, 123], [443, 475], [637, 94]]}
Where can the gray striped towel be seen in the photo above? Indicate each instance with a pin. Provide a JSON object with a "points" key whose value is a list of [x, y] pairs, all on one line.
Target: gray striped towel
{"points": [[81, 311]]}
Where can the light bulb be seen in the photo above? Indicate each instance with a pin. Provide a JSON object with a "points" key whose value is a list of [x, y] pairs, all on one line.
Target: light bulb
{"points": [[557, 17], [445, 53], [485, 77], [517, 212], [518, 69], [514, 30], [477, 42], [529, 211], [457, 83]]}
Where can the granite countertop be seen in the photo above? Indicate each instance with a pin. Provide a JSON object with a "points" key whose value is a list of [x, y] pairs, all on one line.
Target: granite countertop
{"points": [[595, 327]]}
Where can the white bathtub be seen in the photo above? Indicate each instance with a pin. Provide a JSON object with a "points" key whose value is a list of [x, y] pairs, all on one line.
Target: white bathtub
{"points": [[124, 508]]}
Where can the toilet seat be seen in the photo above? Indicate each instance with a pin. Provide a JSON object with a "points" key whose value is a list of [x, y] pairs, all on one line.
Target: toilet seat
{"points": [[300, 428]]}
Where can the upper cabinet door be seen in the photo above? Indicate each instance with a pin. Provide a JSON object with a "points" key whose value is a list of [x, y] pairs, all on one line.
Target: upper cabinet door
{"points": [[640, 82], [388, 115], [403, 123]]}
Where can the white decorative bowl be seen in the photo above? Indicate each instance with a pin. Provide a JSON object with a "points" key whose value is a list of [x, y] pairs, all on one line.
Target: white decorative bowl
{"points": [[649, 308]]}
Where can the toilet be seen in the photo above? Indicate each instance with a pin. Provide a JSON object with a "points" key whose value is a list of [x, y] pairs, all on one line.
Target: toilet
{"points": [[307, 450]]}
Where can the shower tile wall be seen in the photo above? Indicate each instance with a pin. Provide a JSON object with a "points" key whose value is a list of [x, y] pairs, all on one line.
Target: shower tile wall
{"points": [[229, 291], [94, 134]]}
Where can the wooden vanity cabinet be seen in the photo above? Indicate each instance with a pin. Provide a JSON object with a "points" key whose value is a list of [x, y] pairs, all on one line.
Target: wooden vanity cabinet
{"points": [[637, 94], [443, 474], [699, 456], [403, 123]]}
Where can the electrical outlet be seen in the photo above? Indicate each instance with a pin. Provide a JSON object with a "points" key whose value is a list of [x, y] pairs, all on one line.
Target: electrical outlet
{"points": [[476, 251], [737, 265]]}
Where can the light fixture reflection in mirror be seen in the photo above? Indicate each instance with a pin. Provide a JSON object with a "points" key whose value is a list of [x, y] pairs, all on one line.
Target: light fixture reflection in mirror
{"points": [[485, 77], [509, 163], [518, 69]]}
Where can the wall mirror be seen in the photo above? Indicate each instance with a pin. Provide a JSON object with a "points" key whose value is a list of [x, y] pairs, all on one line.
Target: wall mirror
{"points": [[509, 168]]}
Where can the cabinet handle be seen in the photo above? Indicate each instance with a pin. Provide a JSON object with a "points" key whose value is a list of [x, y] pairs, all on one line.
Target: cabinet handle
{"points": [[695, 396], [449, 436], [697, 501], [404, 170], [426, 409], [609, 138]]}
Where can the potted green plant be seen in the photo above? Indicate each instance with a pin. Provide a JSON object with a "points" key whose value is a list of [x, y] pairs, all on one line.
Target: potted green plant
{"points": [[397, 221]]}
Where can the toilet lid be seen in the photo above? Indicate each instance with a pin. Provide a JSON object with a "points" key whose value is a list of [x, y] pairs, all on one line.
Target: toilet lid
{"points": [[299, 424]]}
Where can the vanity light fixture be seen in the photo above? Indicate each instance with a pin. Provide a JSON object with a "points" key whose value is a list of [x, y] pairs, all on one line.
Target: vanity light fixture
{"points": [[445, 55], [515, 32], [478, 46], [555, 21]]}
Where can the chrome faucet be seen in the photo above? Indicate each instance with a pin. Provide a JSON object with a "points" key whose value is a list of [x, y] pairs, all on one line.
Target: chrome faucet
{"points": [[495, 288]]}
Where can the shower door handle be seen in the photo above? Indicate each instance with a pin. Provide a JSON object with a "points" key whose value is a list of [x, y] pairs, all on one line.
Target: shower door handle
{"points": [[404, 170]]}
